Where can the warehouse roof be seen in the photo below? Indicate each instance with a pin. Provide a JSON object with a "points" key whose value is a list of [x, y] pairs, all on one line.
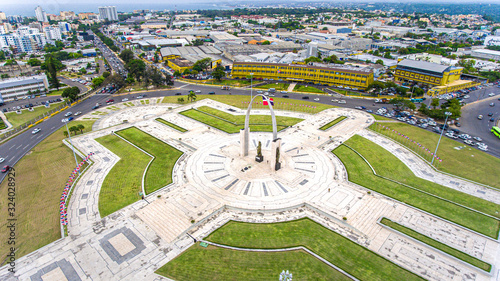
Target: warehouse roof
{"points": [[424, 65]]}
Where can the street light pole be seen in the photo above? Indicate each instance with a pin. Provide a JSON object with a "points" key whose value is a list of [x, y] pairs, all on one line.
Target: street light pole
{"points": [[442, 131], [71, 142], [251, 86]]}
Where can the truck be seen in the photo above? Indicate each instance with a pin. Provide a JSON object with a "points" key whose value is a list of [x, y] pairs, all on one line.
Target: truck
{"points": [[382, 100], [272, 90], [224, 88]]}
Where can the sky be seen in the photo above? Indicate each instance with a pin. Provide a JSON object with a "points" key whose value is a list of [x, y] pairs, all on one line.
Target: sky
{"points": [[27, 7]]}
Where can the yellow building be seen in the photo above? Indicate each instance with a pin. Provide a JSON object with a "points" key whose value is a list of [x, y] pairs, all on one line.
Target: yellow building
{"points": [[179, 64], [324, 74], [439, 78]]}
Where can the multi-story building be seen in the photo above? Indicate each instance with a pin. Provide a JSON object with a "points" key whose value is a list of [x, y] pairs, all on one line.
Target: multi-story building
{"points": [[52, 33], [12, 88], [41, 16], [324, 74], [437, 78], [23, 43], [64, 26], [3, 17], [108, 12]]}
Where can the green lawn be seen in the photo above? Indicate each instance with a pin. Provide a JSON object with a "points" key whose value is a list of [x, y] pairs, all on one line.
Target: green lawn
{"points": [[55, 92], [340, 251], [172, 125], [233, 83], [40, 178], [159, 173], [438, 245], [332, 123], [2, 124], [26, 115], [233, 123], [388, 165], [277, 86], [307, 89], [468, 163], [123, 183], [382, 118], [241, 101], [213, 263]]}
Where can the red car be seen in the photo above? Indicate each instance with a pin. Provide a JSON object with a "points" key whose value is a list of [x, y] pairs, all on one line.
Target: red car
{"points": [[5, 168], [110, 101]]}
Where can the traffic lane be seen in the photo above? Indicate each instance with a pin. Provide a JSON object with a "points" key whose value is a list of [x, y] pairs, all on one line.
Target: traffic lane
{"points": [[481, 94], [482, 128], [71, 83]]}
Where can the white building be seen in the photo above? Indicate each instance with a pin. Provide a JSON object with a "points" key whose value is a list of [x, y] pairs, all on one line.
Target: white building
{"points": [[108, 12], [486, 54], [312, 50], [23, 43], [20, 87], [492, 41], [52, 33], [41, 16], [64, 27]]}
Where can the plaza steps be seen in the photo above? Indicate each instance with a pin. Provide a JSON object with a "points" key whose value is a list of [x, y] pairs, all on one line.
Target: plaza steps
{"points": [[165, 219], [365, 218]]}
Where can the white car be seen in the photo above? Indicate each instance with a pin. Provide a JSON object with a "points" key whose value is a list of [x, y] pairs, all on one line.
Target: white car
{"points": [[68, 114], [316, 99], [78, 113], [342, 101], [492, 94], [125, 99], [482, 147], [1, 160], [36, 130]]}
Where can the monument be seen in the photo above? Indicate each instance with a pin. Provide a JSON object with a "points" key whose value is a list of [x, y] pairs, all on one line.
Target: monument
{"points": [[245, 135]]}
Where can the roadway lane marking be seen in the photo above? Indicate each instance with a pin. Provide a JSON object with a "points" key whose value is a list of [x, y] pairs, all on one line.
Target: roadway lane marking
{"points": [[183, 86], [26, 146], [12, 147], [19, 146]]}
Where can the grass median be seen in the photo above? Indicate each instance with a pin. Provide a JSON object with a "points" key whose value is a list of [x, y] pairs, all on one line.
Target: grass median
{"points": [[40, 177], [465, 162], [230, 123], [340, 251], [276, 86], [307, 89], [382, 161], [438, 245], [241, 101], [26, 115], [332, 123], [172, 125], [214, 263]]}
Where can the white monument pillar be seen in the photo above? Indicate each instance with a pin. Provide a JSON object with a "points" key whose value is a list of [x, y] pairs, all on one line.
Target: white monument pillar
{"points": [[244, 141]]}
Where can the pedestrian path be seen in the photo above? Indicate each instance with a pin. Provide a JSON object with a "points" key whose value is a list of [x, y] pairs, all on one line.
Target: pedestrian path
{"points": [[291, 86]]}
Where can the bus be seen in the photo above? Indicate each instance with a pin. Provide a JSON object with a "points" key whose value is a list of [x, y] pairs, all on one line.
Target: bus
{"points": [[417, 100], [496, 131]]}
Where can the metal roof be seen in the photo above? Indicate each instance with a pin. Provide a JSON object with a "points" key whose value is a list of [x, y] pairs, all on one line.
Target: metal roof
{"points": [[424, 65], [17, 83]]}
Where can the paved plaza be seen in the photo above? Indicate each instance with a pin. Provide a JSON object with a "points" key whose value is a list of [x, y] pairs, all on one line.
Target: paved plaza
{"points": [[212, 184]]}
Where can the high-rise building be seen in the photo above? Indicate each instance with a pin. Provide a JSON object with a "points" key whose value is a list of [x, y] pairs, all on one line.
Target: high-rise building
{"points": [[23, 43], [64, 26], [40, 14], [2, 16], [52, 33], [108, 12]]}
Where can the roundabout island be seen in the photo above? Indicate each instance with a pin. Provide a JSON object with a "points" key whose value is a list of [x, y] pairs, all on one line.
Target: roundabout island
{"points": [[191, 192]]}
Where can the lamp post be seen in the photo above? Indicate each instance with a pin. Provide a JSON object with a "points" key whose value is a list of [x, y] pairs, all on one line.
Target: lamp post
{"points": [[251, 86], [71, 142], [442, 131]]}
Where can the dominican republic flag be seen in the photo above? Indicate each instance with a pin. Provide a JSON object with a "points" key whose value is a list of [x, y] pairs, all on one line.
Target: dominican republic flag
{"points": [[265, 100]]}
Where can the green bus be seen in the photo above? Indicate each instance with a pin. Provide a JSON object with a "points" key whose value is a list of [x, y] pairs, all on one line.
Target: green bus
{"points": [[495, 130]]}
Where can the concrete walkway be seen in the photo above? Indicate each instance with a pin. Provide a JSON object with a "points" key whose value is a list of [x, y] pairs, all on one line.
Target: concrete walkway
{"points": [[290, 88]]}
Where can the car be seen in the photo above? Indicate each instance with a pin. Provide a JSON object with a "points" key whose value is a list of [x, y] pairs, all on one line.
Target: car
{"points": [[369, 111], [5, 168], [178, 94], [359, 107], [305, 97], [457, 124], [36, 130], [491, 94], [211, 93], [125, 99], [492, 119], [342, 101], [285, 96], [110, 101], [259, 92], [139, 97], [68, 114], [316, 99], [480, 117], [283, 92], [492, 104], [95, 107], [490, 114], [1, 160], [478, 138], [78, 113], [197, 91], [482, 147], [469, 142]]}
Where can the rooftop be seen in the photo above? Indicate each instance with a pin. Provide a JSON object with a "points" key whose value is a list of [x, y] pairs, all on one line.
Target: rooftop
{"points": [[17, 83], [424, 65]]}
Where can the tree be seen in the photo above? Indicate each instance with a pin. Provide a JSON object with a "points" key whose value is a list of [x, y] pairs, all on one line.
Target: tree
{"points": [[381, 62], [11, 62], [136, 67], [34, 62], [177, 73], [403, 104], [312, 59], [71, 93], [127, 55], [191, 96], [435, 103], [73, 129], [218, 73], [105, 74], [266, 43], [51, 68], [156, 77], [88, 65], [202, 65], [81, 128], [82, 70], [180, 100], [97, 81], [115, 79], [65, 134]]}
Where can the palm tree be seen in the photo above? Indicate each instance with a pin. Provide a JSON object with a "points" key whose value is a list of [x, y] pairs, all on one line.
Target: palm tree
{"points": [[191, 96], [73, 129], [81, 128], [65, 134]]}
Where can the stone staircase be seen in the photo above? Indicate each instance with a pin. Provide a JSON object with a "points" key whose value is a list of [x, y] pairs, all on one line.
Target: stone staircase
{"points": [[165, 219], [365, 217]]}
